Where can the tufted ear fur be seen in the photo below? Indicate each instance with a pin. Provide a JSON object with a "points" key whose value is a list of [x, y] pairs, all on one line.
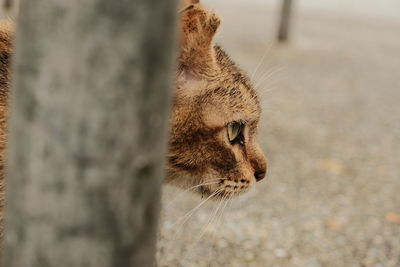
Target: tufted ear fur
{"points": [[198, 28]]}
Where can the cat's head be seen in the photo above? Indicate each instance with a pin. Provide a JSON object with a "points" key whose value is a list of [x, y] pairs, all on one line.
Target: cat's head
{"points": [[215, 115]]}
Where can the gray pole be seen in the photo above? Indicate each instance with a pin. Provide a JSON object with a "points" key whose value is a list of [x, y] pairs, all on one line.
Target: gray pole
{"points": [[88, 132], [284, 25], [8, 8]]}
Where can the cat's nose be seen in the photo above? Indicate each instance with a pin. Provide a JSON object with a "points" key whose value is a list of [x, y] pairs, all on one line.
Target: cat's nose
{"points": [[259, 175]]}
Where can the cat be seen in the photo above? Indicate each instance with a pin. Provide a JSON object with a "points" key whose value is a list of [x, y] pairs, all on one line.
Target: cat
{"points": [[215, 114], [214, 117]]}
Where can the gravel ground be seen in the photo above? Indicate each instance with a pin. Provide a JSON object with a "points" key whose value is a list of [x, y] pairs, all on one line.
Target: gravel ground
{"points": [[331, 132]]}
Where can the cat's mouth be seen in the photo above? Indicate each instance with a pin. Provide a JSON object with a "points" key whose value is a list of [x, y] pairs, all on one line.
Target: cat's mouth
{"points": [[225, 189]]}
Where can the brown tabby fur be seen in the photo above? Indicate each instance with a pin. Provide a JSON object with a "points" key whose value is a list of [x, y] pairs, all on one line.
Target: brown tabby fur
{"points": [[210, 93], [6, 30]]}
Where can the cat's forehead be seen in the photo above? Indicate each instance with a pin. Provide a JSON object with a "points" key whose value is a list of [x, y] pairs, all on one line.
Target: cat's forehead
{"points": [[230, 101], [230, 96], [220, 95]]}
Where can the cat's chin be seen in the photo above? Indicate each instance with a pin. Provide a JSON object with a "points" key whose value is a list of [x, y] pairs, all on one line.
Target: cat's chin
{"points": [[210, 187], [221, 191], [218, 194]]}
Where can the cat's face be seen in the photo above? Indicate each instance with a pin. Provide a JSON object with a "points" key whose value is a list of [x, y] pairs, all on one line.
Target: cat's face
{"points": [[215, 116]]}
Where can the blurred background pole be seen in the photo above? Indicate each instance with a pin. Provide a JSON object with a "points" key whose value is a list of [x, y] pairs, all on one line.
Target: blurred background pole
{"points": [[285, 18], [88, 132], [8, 8], [8, 4]]}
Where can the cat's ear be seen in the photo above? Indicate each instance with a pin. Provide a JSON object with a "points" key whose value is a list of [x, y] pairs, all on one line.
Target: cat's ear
{"points": [[198, 28]]}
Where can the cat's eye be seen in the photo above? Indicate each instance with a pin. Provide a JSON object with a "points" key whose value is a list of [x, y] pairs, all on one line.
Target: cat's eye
{"points": [[235, 132]]}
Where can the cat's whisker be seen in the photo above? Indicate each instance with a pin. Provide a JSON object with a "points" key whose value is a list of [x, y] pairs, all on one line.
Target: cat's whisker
{"points": [[267, 50], [269, 92], [267, 75], [269, 86], [270, 70], [229, 206], [218, 220], [192, 211], [179, 227], [232, 199], [213, 216], [204, 229], [216, 181], [272, 79]]}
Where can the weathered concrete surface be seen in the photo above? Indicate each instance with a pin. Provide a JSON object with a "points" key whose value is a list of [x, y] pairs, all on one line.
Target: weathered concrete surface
{"points": [[88, 132], [331, 132]]}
